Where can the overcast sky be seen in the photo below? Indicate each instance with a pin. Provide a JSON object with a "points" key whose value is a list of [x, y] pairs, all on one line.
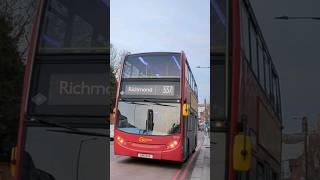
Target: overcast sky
{"points": [[165, 25], [294, 46]]}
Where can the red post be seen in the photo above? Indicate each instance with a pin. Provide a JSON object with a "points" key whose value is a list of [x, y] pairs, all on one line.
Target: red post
{"points": [[235, 82]]}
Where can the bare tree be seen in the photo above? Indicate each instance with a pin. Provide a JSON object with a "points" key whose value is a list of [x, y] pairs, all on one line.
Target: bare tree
{"points": [[20, 13], [116, 59]]}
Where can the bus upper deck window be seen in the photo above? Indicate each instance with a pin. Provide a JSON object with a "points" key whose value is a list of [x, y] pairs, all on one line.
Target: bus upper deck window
{"points": [[67, 27]]}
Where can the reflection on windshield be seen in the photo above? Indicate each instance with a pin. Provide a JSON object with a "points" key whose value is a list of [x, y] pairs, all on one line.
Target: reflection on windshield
{"points": [[148, 118], [62, 156], [31, 172], [68, 27]]}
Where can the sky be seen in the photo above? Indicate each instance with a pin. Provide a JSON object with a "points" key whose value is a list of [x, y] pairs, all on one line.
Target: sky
{"points": [[294, 46], [165, 25]]}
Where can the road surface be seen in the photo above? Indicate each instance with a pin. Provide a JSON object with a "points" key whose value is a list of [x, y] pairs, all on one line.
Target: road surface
{"points": [[141, 169]]}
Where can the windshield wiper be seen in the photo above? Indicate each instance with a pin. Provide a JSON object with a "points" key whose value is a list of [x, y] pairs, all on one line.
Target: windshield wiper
{"points": [[156, 103], [54, 124], [80, 132], [67, 128], [132, 102]]}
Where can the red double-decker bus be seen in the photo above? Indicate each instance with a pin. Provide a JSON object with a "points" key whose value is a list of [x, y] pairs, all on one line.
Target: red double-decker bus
{"points": [[156, 107], [245, 92], [63, 128]]}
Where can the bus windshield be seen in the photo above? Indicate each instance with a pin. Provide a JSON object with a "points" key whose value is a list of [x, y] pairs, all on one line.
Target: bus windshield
{"points": [[148, 66], [148, 118], [70, 26]]}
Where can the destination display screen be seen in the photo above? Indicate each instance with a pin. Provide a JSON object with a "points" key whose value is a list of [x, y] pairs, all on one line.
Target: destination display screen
{"points": [[69, 89], [157, 89], [77, 89], [152, 90]]}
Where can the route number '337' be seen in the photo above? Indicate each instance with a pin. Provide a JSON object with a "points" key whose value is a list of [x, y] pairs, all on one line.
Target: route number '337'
{"points": [[167, 90]]}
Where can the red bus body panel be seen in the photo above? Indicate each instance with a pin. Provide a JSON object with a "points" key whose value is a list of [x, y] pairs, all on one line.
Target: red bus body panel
{"points": [[235, 82], [247, 96], [155, 145], [26, 84]]}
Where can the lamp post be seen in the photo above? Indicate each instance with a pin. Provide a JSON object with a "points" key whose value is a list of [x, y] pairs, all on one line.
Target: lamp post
{"points": [[305, 130]]}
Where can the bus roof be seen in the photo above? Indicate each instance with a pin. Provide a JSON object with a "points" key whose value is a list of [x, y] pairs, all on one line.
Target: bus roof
{"points": [[146, 53]]}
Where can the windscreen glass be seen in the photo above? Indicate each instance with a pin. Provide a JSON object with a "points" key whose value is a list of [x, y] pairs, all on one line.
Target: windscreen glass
{"points": [[152, 66], [218, 24], [71, 26], [148, 118], [52, 154]]}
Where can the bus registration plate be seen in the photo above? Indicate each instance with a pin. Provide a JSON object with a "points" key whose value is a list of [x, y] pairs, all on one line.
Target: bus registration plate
{"points": [[149, 156]]}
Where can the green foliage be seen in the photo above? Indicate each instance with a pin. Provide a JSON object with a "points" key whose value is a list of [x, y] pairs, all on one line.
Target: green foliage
{"points": [[11, 75]]}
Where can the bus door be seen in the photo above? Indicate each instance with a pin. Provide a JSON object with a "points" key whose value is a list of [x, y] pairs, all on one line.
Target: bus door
{"points": [[185, 137]]}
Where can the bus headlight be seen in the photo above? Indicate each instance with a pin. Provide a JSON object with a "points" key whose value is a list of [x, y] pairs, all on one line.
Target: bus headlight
{"points": [[172, 144], [121, 141]]}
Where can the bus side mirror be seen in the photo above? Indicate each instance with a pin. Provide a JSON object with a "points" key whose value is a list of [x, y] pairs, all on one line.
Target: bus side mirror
{"points": [[186, 110], [242, 153], [13, 166]]}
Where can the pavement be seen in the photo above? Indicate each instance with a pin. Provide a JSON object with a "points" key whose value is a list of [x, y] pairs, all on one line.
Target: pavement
{"points": [[201, 170]]}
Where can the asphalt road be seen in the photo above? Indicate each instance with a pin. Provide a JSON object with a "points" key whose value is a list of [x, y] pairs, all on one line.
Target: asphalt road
{"points": [[144, 169]]}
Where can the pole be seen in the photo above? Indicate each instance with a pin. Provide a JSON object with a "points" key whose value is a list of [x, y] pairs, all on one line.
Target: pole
{"points": [[305, 129]]}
